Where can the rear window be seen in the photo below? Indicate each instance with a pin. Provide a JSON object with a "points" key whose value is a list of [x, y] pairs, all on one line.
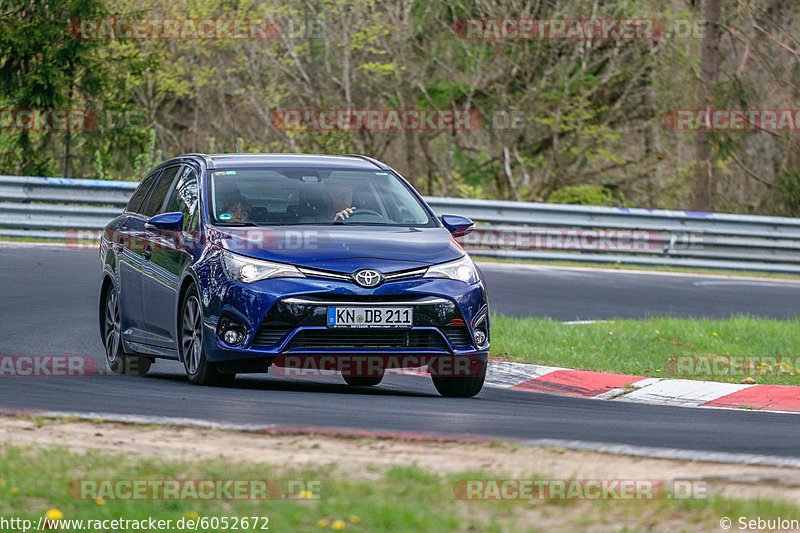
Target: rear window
{"points": [[158, 193], [140, 193]]}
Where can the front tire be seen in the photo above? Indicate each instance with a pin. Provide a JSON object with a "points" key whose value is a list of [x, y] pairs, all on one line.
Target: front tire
{"points": [[118, 361], [198, 368], [459, 387]]}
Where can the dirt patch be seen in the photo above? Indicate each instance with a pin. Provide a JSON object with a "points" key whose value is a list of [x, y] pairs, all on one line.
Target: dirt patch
{"points": [[369, 457]]}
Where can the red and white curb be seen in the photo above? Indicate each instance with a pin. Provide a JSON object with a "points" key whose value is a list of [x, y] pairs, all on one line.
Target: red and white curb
{"points": [[628, 388]]}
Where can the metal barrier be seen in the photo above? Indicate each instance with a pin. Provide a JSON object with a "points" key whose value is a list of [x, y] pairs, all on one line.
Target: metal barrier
{"points": [[56, 207], [629, 235]]}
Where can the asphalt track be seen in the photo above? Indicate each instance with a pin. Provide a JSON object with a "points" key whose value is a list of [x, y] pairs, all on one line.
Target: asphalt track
{"points": [[48, 307]]}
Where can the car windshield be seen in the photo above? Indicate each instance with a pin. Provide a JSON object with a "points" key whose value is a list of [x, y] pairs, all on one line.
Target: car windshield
{"points": [[295, 196]]}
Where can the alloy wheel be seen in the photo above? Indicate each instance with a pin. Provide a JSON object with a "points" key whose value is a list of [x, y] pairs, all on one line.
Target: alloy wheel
{"points": [[192, 335], [112, 327]]}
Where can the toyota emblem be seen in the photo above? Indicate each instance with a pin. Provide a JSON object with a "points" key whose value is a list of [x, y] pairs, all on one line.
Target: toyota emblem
{"points": [[368, 277]]}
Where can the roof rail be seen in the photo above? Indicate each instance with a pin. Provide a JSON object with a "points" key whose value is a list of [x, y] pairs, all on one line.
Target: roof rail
{"points": [[208, 161], [369, 159]]}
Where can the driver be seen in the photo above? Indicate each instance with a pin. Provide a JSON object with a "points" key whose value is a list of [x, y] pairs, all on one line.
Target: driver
{"points": [[239, 210], [339, 199]]}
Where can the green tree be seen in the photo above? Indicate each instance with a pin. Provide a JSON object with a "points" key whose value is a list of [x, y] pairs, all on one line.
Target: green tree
{"points": [[42, 66]]}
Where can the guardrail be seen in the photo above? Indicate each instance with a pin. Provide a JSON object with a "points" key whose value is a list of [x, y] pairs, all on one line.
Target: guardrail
{"points": [[57, 207]]}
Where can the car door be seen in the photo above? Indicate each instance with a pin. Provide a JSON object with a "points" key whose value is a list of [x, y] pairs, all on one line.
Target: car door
{"points": [[169, 253], [128, 250]]}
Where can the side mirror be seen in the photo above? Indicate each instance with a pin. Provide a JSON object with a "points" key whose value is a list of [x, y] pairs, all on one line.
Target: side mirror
{"points": [[457, 225], [166, 222]]}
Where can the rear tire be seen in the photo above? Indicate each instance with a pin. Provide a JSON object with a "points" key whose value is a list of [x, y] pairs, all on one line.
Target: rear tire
{"points": [[118, 361], [459, 387], [198, 368]]}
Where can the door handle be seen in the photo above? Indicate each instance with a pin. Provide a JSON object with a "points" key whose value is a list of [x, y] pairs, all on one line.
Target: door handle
{"points": [[147, 253]]}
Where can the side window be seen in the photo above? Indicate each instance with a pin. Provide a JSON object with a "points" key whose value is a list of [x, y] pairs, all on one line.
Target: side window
{"points": [[159, 192], [134, 204], [195, 223], [184, 196]]}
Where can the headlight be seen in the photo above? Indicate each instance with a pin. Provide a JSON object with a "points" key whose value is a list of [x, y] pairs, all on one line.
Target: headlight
{"points": [[460, 269], [248, 270]]}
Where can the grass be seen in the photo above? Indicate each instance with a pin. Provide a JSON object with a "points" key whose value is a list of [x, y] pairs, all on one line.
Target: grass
{"points": [[642, 347], [85, 244], [39, 421], [34, 483]]}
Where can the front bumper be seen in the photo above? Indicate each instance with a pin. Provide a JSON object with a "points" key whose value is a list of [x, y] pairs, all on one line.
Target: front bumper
{"points": [[287, 317]]}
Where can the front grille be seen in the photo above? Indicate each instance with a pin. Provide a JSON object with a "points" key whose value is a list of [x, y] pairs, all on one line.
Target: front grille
{"points": [[324, 298], [395, 276], [269, 334], [457, 335], [336, 339]]}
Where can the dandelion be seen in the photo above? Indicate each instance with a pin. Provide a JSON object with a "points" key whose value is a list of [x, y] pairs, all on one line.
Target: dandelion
{"points": [[563, 340], [14, 491], [306, 495], [54, 514], [353, 519], [338, 524], [191, 515], [714, 333], [657, 332], [99, 501], [323, 523]]}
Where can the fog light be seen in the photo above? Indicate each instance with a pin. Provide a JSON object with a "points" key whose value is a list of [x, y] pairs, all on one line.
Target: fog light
{"points": [[233, 336], [480, 337]]}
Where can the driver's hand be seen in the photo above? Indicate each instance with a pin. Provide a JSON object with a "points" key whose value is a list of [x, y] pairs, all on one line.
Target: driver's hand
{"points": [[344, 213]]}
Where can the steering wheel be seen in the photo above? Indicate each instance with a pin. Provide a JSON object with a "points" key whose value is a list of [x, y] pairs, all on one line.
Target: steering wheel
{"points": [[368, 212]]}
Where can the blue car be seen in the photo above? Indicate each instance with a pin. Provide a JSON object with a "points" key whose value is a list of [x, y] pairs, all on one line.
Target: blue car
{"points": [[238, 263]]}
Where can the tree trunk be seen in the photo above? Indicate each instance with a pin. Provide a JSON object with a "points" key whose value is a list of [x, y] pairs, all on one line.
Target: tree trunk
{"points": [[68, 140], [709, 63]]}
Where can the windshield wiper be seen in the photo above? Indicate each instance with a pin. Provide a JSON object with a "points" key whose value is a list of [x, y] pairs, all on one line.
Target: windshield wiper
{"points": [[236, 224], [268, 224]]}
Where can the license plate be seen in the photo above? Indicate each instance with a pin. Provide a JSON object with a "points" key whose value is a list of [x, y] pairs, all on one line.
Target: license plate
{"points": [[370, 317]]}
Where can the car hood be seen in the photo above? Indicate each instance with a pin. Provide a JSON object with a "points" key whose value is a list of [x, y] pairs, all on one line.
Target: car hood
{"points": [[343, 249]]}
